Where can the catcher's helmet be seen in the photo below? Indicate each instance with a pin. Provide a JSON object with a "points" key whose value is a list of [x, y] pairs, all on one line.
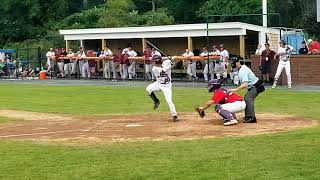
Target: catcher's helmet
{"points": [[214, 84]]}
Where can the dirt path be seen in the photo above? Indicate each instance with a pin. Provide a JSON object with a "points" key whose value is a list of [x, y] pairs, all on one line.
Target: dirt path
{"points": [[54, 127]]}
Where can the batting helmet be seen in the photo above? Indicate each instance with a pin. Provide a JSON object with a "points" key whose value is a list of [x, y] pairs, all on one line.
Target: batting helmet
{"points": [[157, 59], [214, 84], [283, 42]]}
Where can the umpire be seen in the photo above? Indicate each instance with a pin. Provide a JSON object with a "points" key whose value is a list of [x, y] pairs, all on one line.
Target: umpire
{"points": [[254, 86]]}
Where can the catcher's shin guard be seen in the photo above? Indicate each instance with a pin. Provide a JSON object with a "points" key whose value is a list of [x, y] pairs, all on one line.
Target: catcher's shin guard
{"points": [[227, 116]]}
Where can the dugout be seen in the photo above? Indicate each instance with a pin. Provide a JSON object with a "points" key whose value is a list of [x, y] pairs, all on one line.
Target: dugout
{"points": [[240, 39]]}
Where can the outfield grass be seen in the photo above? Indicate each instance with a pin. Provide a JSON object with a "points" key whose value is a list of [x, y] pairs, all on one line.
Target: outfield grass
{"points": [[292, 155]]}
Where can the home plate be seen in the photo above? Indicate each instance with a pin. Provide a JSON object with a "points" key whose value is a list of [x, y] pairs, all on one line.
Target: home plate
{"points": [[134, 125]]}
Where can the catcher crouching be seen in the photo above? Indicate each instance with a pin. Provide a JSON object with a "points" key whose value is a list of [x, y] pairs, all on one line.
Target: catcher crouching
{"points": [[227, 103]]}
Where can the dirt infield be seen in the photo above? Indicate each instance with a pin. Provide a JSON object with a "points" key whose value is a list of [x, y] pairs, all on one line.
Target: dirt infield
{"points": [[114, 128]]}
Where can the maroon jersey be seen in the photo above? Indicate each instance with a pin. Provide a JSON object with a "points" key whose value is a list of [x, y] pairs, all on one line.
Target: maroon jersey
{"points": [[221, 96], [147, 54], [267, 56]]}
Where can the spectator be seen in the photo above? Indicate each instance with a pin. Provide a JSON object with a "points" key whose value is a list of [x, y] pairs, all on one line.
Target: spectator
{"points": [[62, 54], [259, 50], [147, 55], [69, 65], [83, 63], [191, 65], [131, 64], [224, 57], [267, 56], [50, 59], [314, 47], [208, 68], [110, 66], [304, 49], [92, 63]]}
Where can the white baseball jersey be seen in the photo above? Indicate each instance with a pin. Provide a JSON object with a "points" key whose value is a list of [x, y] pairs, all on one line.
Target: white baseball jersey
{"points": [[188, 54], [163, 83], [224, 54], [108, 52], [70, 54], [205, 54], [131, 53], [215, 53], [284, 52], [82, 55], [163, 74]]}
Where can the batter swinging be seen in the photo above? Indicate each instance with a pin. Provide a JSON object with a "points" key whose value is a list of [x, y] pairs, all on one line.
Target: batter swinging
{"points": [[162, 73]]}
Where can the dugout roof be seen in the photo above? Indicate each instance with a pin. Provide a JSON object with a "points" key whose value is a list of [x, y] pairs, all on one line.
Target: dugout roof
{"points": [[167, 31]]}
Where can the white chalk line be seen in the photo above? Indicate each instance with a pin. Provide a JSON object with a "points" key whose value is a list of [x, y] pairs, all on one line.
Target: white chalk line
{"points": [[44, 133]]}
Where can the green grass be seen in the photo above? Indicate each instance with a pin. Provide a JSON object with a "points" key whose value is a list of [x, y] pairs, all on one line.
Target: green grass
{"points": [[95, 100], [292, 155], [6, 120]]}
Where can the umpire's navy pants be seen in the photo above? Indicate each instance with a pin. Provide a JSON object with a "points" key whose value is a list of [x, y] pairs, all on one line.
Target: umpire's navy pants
{"points": [[249, 99]]}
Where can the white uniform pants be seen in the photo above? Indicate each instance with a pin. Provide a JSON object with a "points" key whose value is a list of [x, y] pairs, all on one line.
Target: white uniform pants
{"points": [[85, 69], [67, 69], [50, 65], [205, 71], [167, 92], [110, 68], [81, 66], [123, 71], [286, 66], [149, 71], [73, 67], [192, 69], [220, 70], [234, 107], [132, 70], [61, 66]]}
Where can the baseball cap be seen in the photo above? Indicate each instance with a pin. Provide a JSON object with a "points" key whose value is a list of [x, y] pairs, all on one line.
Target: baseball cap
{"points": [[310, 40], [221, 45]]}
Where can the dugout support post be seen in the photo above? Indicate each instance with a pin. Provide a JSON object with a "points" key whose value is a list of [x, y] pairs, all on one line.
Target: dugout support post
{"points": [[242, 46]]}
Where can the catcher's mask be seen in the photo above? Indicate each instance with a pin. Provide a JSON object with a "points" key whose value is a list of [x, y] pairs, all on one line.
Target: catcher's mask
{"points": [[157, 59], [234, 60], [214, 84]]}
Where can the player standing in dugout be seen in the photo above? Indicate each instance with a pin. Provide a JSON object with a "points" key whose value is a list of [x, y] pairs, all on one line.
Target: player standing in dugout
{"points": [[254, 86]]}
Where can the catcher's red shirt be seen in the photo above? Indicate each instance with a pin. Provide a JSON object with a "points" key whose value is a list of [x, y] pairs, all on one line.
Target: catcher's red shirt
{"points": [[221, 96]]}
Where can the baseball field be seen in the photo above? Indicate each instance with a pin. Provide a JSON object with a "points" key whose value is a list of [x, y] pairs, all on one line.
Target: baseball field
{"points": [[112, 132]]}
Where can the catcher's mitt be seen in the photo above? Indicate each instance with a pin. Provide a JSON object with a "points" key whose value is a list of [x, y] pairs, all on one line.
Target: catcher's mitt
{"points": [[200, 112]]}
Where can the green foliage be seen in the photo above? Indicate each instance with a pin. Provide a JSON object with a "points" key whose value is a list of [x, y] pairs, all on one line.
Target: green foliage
{"points": [[38, 19], [123, 13]]}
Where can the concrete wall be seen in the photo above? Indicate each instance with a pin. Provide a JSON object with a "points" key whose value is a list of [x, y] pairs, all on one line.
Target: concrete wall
{"points": [[305, 69]]}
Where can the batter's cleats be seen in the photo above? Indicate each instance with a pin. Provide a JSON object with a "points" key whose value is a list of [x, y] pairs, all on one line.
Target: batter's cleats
{"points": [[156, 105], [273, 86], [175, 119], [250, 120], [231, 122]]}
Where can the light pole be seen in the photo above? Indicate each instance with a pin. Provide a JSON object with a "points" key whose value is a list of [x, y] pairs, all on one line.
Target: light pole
{"points": [[265, 12]]}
